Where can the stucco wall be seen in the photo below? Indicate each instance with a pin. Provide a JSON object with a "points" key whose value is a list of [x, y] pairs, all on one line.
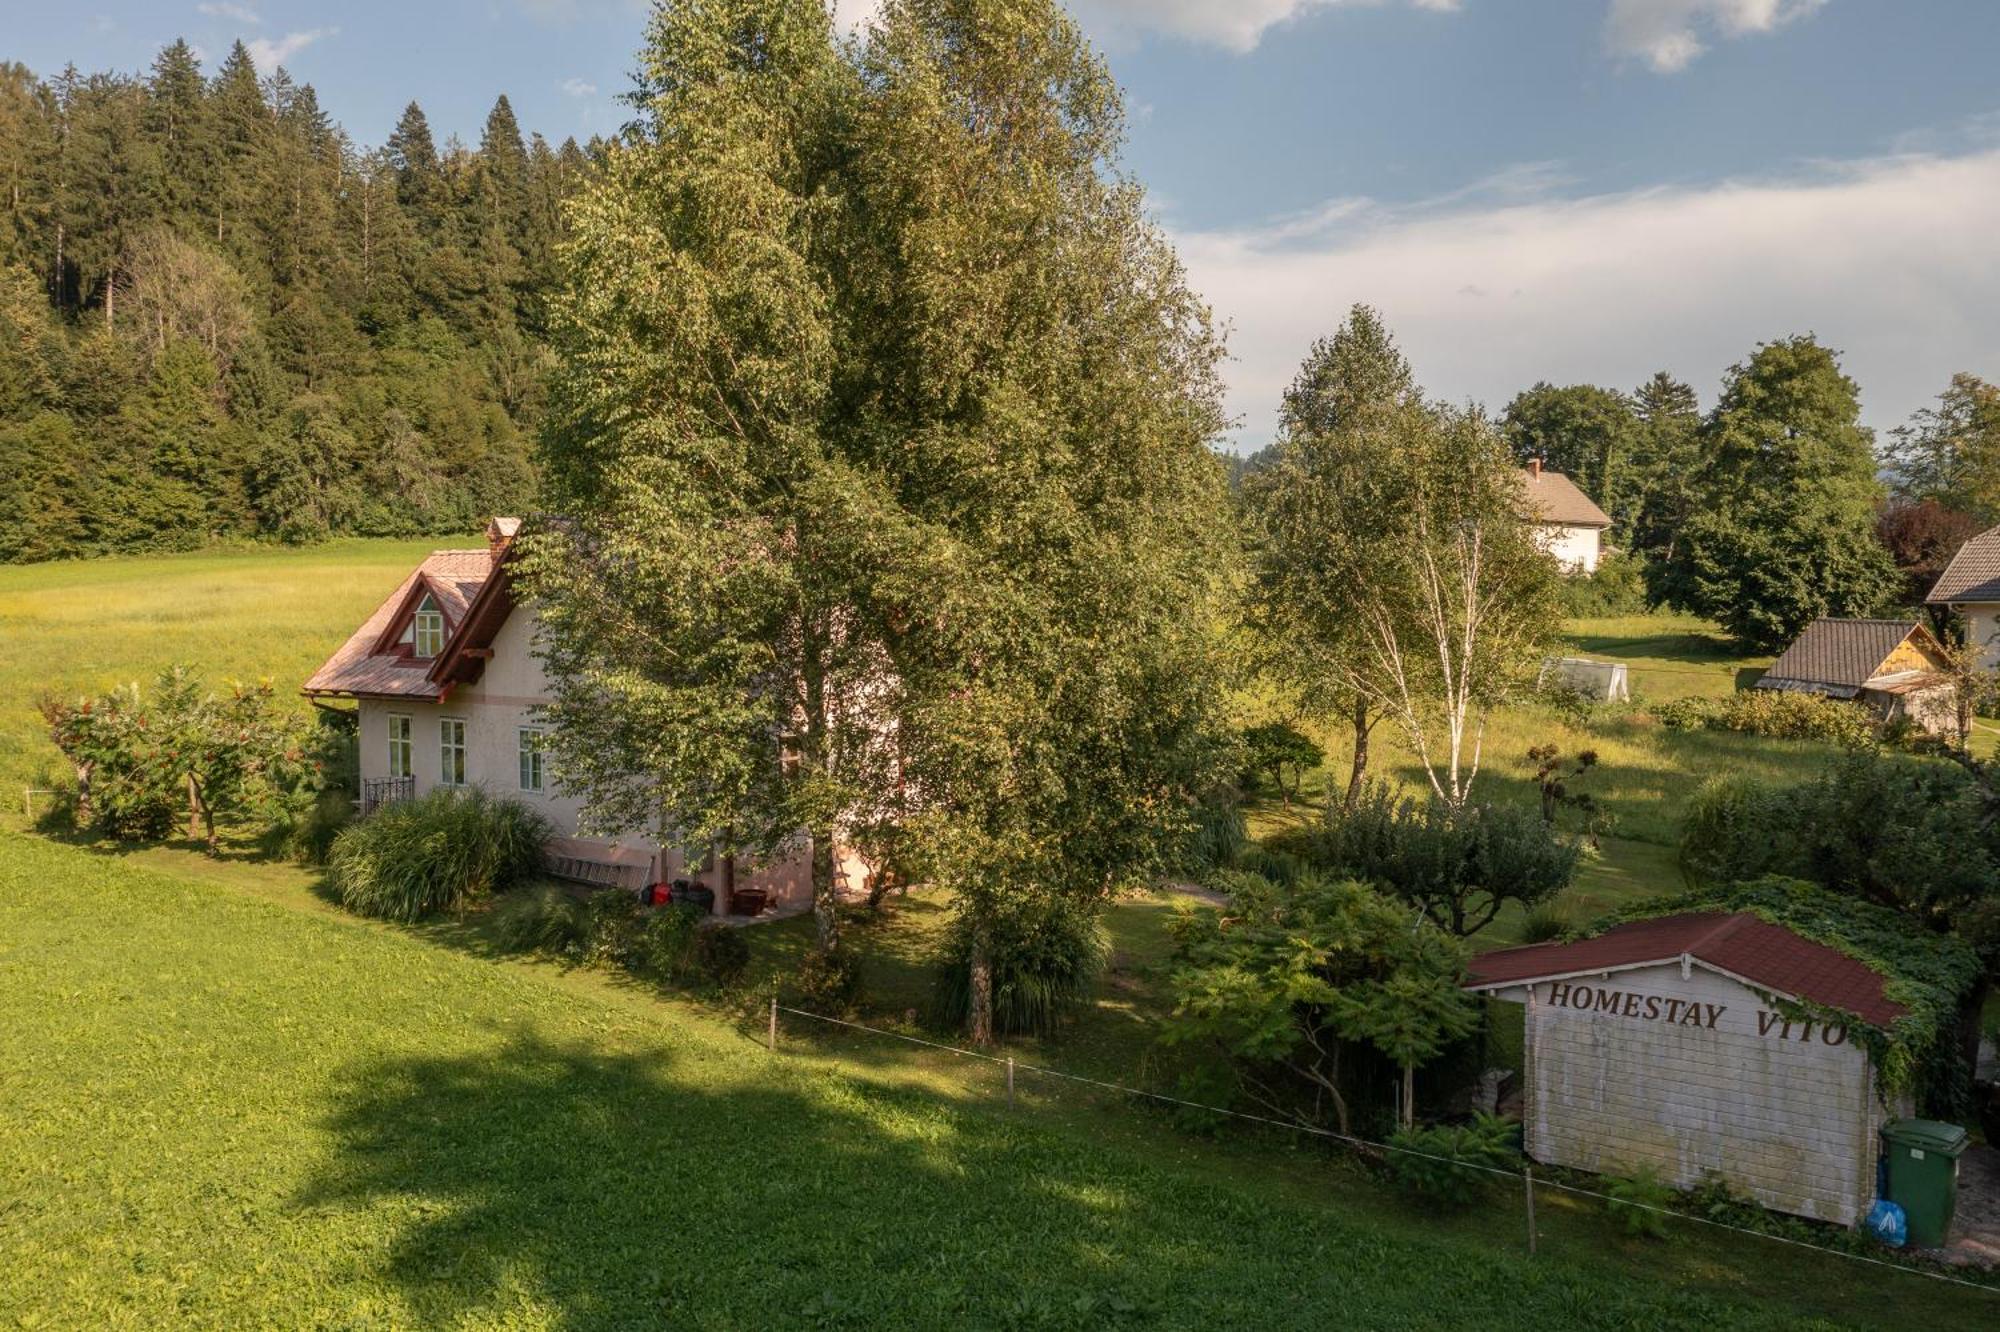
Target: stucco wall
{"points": [[1785, 1116], [494, 710], [1575, 548], [1983, 628]]}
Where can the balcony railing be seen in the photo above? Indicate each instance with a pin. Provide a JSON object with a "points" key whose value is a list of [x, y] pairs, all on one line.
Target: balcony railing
{"points": [[379, 791]]}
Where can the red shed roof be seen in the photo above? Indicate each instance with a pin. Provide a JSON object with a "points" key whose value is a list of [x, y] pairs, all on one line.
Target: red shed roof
{"points": [[1739, 944]]}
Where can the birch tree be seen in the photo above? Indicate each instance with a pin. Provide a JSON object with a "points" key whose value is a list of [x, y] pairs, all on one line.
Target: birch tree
{"points": [[880, 444], [1397, 567]]}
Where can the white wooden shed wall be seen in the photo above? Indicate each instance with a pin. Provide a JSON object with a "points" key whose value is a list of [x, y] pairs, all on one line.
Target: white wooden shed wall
{"points": [[1789, 1117]]}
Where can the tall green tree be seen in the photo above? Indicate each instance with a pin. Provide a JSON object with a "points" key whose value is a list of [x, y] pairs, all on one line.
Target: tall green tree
{"points": [[1584, 432], [1950, 453], [1785, 531], [882, 421], [1320, 526], [1668, 459]]}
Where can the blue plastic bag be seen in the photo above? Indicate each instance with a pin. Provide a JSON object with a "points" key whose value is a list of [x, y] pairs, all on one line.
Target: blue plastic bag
{"points": [[1887, 1223]]}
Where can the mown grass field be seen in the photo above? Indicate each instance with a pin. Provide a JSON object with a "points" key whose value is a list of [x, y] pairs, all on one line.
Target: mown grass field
{"points": [[229, 1104], [232, 1112]]}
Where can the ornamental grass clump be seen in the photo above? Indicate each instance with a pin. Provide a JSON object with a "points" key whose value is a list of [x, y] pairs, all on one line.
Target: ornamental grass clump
{"points": [[440, 852], [1045, 957]]}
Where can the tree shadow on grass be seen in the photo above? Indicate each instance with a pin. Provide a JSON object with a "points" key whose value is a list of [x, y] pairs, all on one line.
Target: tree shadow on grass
{"points": [[553, 1184]]}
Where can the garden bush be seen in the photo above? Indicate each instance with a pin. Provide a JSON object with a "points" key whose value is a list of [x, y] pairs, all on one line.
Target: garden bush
{"points": [[1280, 754], [1218, 835], [664, 942], [548, 919], [721, 954], [612, 928], [1618, 587], [1459, 866], [826, 982], [1449, 1166], [440, 852], [1045, 958], [1773, 713]]}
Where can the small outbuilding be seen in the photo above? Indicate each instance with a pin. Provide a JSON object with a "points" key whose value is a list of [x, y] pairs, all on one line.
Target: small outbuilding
{"points": [[1711, 1042], [1895, 668]]}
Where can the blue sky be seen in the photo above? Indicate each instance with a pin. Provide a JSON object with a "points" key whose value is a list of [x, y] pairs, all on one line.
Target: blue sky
{"points": [[1561, 189]]}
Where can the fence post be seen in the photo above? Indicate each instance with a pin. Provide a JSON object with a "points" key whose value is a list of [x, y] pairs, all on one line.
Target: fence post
{"points": [[1010, 1081], [774, 1024], [1528, 1184]]}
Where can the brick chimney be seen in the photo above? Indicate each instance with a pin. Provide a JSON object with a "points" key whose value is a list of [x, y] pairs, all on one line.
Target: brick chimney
{"points": [[1535, 469], [500, 535]]}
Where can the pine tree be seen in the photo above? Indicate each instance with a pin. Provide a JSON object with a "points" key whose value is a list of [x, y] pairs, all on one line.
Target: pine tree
{"points": [[176, 123], [1667, 463]]}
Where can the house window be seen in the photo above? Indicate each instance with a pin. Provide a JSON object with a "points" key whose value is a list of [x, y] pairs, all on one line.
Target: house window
{"points": [[451, 751], [427, 629], [400, 764], [533, 773]]}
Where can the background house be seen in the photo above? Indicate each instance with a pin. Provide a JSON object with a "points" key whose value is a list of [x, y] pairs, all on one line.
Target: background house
{"points": [[1893, 667], [1570, 525], [448, 690], [1970, 585]]}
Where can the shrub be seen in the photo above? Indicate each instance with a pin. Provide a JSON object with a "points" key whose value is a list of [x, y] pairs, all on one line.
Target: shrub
{"points": [[611, 927], [306, 828], [1640, 1199], [1736, 828], [1774, 713], [721, 954], [440, 852], [664, 940], [1617, 587], [827, 982], [1547, 921], [1218, 834], [1044, 955], [547, 919], [1459, 866], [1281, 753], [1447, 1166]]}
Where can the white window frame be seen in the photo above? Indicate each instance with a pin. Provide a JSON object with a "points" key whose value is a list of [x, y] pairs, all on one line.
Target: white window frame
{"points": [[402, 747], [447, 749], [427, 628], [532, 758]]}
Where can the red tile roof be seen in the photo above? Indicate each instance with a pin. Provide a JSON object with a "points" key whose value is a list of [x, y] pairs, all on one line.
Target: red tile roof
{"points": [[1768, 956], [454, 578]]}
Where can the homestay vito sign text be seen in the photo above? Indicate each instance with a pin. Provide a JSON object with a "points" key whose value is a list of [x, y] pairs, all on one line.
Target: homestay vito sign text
{"points": [[1676, 1012]]}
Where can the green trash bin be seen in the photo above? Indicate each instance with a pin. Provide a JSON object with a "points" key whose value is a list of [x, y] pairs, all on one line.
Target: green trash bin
{"points": [[1923, 1175]]}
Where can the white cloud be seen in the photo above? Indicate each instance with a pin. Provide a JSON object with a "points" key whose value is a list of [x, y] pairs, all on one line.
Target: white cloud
{"points": [[268, 54], [241, 13], [1889, 260], [1237, 25], [577, 87], [1667, 34]]}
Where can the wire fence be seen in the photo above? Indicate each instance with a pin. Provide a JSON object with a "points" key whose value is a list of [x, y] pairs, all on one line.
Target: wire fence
{"points": [[1529, 1181]]}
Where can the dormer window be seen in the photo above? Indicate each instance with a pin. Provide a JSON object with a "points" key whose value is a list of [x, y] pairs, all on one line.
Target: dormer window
{"points": [[427, 629]]}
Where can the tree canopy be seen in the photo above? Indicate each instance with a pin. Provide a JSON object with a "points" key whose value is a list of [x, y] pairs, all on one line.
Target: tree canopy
{"points": [[881, 430], [370, 322]]}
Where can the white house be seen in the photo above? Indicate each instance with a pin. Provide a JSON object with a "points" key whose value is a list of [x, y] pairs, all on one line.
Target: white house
{"points": [[1660, 1043], [1970, 585], [449, 691], [1570, 526]]}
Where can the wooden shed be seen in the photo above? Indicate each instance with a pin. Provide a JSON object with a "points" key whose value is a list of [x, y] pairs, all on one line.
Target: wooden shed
{"points": [[1661, 1043], [1896, 668]]}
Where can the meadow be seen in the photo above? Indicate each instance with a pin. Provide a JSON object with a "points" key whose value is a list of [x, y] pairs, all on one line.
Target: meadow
{"points": [[231, 1104]]}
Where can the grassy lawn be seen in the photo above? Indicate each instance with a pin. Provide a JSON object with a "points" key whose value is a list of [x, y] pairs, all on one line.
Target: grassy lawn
{"points": [[226, 1111]]}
